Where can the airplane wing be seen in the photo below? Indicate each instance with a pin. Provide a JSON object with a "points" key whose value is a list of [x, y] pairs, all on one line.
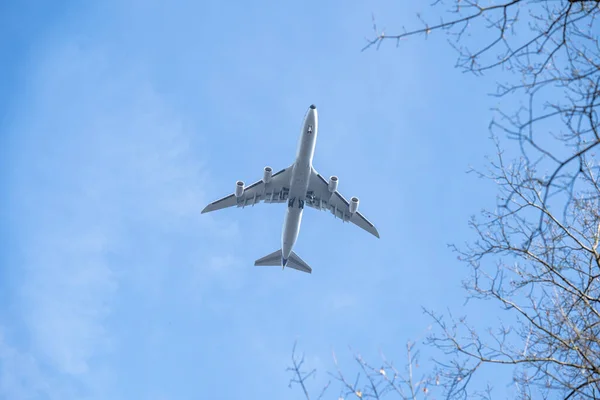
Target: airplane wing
{"points": [[318, 196], [276, 191]]}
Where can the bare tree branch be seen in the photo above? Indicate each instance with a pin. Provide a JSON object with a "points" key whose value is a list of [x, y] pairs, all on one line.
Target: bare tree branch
{"points": [[536, 256], [300, 377]]}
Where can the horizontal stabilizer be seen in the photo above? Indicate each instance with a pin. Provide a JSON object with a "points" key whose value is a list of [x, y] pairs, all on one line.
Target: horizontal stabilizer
{"points": [[276, 259], [273, 259], [297, 263]]}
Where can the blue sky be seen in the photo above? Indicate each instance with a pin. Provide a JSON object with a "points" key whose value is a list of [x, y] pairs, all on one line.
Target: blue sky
{"points": [[121, 120]]}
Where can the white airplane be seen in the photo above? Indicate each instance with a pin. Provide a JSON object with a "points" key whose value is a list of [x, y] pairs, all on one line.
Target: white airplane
{"points": [[299, 184]]}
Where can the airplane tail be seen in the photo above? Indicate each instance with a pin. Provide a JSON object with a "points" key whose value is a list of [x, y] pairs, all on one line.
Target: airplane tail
{"points": [[276, 259]]}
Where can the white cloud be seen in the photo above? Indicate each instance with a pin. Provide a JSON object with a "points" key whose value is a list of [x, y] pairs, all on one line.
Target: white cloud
{"points": [[20, 378], [67, 296], [338, 301], [100, 160], [218, 263], [24, 377]]}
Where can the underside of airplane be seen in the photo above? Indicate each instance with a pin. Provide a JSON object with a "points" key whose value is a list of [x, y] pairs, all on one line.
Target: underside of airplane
{"points": [[298, 185]]}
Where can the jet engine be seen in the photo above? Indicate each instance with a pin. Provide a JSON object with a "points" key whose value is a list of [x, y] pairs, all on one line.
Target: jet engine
{"points": [[239, 189], [267, 174], [333, 184], [353, 205]]}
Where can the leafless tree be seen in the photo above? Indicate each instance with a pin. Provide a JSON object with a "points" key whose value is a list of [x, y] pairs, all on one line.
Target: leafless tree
{"points": [[537, 254], [371, 382], [299, 376]]}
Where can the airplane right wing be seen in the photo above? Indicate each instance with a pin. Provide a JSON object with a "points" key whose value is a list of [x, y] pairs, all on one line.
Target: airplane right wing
{"points": [[275, 191], [319, 197]]}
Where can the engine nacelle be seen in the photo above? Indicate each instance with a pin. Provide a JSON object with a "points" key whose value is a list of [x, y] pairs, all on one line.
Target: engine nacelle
{"points": [[353, 205], [333, 184], [239, 189], [267, 174]]}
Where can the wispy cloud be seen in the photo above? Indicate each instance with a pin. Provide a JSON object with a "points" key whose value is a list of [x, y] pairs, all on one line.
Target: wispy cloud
{"points": [[100, 161], [21, 376], [121, 288]]}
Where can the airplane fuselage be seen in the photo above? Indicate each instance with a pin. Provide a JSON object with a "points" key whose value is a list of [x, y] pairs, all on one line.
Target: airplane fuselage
{"points": [[297, 185], [299, 182]]}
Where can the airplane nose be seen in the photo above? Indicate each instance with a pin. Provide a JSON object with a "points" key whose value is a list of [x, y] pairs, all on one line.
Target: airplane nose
{"points": [[312, 106]]}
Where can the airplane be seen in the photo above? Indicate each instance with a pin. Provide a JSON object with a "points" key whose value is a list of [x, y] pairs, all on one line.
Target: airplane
{"points": [[298, 185]]}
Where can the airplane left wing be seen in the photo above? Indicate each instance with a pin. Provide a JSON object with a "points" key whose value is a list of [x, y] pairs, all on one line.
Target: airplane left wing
{"points": [[275, 191], [318, 196]]}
